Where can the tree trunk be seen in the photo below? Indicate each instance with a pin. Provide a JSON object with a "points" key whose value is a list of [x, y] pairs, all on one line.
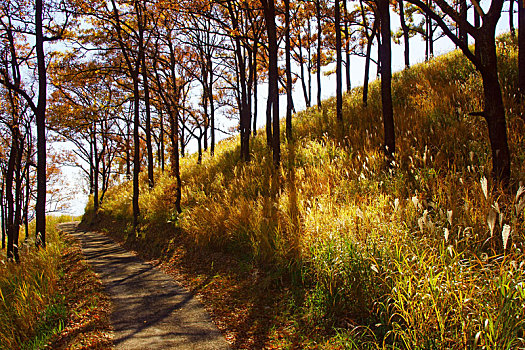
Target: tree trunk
{"points": [[95, 168], [149, 146], [338, 64], [494, 111], [41, 129], [136, 152], [3, 213], [367, 63], [463, 36], [161, 141], [511, 18], [245, 113], [10, 203], [303, 78], [175, 161], [254, 72], [386, 80], [319, 35], [27, 198], [273, 79], [347, 47], [404, 27], [521, 53], [18, 195], [288, 72], [212, 107]]}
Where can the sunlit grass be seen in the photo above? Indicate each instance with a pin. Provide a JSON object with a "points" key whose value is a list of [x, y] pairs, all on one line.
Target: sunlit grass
{"points": [[408, 257]]}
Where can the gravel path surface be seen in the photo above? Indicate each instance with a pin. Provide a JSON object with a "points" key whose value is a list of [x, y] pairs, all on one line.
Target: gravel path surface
{"points": [[150, 310]]}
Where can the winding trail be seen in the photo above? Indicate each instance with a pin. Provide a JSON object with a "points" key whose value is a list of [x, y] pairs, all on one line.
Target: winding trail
{"points": [[150, 310]]}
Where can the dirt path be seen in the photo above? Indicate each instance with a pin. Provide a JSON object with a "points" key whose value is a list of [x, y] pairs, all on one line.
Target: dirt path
{"points": [[150, 310]]}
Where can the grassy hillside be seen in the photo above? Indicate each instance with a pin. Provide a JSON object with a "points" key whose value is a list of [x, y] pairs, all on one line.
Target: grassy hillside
{"points": [[344, 252]]}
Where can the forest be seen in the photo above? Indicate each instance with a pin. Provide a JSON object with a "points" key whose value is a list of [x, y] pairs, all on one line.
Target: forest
{"points": [[389, 216]]}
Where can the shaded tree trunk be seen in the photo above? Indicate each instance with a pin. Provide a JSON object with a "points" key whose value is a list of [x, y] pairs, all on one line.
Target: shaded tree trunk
{"points": [[41, 129], [3, 212], [386, 80], [273, 79], [521, 53], [288, 71], [12, 248], [175, 160], [494, 111]]}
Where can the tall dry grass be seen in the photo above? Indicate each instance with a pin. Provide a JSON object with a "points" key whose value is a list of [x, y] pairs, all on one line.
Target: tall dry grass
{"points": [[407, 257], [31, 310]]}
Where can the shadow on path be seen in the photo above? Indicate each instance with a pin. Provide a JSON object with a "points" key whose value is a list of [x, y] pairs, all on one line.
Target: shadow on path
{"points": [[150, 310]]}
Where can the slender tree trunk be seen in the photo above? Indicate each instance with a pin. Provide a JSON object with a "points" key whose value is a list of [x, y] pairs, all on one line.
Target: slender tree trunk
{"points": [[3, 212], [273, 79], [41, 129], [347, 47], [319, 36], [463, 36], [149, 146], [182, 142], [205, 99], [212, 106], [255, 109], [511, 18], [128, 149], [161, 141], [27, 198], [367, 63], [136, 152], [269, 117], [96, 174], [245, 112], [386, 80], [288, 50], [10, 202], [338, 62], [303, 78], [379, 40], [175, 161], [18, 195], [521, 53], [404, 27], [205, 110]]}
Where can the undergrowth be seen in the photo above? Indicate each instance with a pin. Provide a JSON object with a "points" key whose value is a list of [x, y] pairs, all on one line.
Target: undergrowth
{"points": [[425, 255], [31, 309]]}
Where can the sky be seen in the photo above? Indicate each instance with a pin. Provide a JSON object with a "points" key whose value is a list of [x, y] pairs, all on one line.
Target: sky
{"points": [[77, 183]]}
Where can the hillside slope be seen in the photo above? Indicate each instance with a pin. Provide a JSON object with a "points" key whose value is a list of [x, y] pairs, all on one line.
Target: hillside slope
{"points": [[335, 250]]}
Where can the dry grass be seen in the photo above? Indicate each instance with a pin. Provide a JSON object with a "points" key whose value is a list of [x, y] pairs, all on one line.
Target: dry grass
{"points": [[366, 257]]}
